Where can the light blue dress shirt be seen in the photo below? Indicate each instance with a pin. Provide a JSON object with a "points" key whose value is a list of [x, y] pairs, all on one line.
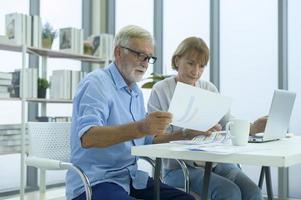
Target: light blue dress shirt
{"points": [[104, 99]]}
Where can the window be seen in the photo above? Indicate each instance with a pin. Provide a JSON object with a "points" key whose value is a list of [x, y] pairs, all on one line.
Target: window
{"points": [[248, 49], [182, 20], [294, 84], [60, 14], [128, 14], [10, 171], [248, 59]]}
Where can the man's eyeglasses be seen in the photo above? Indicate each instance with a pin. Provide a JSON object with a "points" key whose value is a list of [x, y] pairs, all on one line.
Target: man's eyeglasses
{"points": [[141, 56]]}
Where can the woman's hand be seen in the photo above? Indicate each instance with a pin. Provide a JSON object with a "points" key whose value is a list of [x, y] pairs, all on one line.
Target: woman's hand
{"points": [[190, 134], [258, 126]]}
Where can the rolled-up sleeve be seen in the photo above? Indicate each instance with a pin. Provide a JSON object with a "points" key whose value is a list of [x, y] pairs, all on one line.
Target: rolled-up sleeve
{"points": [[92, 105]]}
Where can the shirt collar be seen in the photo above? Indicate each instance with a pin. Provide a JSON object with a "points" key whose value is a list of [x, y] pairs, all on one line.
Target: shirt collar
{"points": [[119, 80]]}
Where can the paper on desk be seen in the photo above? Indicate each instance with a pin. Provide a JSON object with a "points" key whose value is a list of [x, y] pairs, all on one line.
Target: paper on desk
{"points": [[218, 148], [196, 108]]}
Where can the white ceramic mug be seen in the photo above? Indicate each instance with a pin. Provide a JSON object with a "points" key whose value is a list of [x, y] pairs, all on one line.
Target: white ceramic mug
{"points": [[239, 131]]}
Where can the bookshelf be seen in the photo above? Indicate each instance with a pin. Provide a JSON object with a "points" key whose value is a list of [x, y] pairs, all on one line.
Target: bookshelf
{"points": [[52, 53], [44, 54]]}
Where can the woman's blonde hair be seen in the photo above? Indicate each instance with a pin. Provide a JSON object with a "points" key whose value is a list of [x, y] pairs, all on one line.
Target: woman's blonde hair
{"points": [[188, 45]]}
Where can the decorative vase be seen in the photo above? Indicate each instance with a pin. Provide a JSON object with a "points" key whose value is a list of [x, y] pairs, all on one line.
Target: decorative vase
{"points": [[41, 93], [47, 43]]}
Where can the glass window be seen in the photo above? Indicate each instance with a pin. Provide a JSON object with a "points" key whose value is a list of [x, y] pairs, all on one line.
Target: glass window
{"points": [[128, 14], [183, 20], [10, 110], [67, 14], [248, 59], [248, 49], [294, 84]]}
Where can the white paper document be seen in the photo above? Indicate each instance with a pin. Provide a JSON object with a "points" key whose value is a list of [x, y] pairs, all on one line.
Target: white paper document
{"points": [[196, 108], [218, 148]]}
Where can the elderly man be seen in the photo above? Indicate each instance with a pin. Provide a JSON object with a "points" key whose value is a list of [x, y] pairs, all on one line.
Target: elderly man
{"points": [[109, 118]]}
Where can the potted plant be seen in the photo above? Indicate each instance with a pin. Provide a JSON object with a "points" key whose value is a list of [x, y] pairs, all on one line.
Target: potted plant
{"points": [[88, 48], [48, 35], [154, 78], [43, 84]]}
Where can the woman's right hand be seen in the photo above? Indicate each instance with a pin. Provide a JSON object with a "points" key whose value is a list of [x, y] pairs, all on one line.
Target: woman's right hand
{"points": [[190, 133]]}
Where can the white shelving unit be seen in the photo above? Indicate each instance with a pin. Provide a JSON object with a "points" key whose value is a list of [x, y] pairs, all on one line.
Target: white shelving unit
{"points": [[45, 54]]}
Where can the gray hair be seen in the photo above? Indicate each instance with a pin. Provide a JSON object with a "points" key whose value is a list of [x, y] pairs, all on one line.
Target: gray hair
{"points": [[125, 34]]}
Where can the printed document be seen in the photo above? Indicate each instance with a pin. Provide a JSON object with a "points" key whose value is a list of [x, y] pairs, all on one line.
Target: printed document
{"points": [[196, 108]]}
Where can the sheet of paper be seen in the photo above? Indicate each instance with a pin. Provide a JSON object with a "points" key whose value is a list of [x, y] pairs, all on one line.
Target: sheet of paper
{"points": [[219, 148], [196, 108]]}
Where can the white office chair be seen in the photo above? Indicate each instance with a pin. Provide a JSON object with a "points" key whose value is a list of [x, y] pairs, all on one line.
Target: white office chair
{"points": [[50, 150]]}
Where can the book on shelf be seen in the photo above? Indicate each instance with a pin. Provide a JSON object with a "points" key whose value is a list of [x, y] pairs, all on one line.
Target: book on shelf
{"points": [[30, 83], [102, 45], [4, 40], [10, 138], [54, 119], [4, 88], [71, 40], [18, 28], [6, 75], [75, 78], [36, 31], [4, 95], [64, 84], [5, 82]]}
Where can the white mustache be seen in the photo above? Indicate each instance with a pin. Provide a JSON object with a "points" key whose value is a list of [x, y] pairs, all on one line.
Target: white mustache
{"points": [[141, 69]]}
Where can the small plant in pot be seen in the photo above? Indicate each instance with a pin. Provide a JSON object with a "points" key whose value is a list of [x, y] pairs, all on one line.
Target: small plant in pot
{"points": [[48, 35], [43, 84], [154, 78]]}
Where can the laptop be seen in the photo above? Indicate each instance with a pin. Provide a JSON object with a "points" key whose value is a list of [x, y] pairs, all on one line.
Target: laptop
{"points": [[279, 117]]}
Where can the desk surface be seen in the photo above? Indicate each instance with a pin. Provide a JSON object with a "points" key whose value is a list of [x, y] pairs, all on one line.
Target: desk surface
{"points": [[282, 153]]}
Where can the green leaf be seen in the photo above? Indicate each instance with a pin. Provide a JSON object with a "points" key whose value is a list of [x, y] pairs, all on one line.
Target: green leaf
{"points": [[148, 85]]}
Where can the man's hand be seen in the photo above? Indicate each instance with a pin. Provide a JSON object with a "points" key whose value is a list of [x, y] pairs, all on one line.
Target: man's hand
{"points": [[258, 126], [155, 123]]}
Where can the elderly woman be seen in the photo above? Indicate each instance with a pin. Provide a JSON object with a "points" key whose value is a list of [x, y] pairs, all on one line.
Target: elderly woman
{"points": [[227, 180]]}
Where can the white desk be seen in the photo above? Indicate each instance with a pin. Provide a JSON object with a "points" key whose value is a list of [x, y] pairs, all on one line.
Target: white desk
{"points": [[282, 153]]}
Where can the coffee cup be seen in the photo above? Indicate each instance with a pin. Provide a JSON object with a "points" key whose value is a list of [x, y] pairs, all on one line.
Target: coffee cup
{"points": [[239, 131]]}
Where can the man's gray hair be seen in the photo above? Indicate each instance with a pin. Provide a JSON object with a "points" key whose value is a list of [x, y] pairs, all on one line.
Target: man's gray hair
{"points": [[124, 35]]}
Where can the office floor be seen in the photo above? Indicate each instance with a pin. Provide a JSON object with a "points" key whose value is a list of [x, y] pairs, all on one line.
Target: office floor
{"points": [[51, 194]]}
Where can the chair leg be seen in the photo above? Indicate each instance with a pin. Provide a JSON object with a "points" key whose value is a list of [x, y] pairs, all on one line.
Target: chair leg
{"points": [[261, 177], [42, 181]]}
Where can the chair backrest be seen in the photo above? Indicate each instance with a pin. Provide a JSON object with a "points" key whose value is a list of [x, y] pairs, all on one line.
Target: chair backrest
{"points": [[49, 140]]}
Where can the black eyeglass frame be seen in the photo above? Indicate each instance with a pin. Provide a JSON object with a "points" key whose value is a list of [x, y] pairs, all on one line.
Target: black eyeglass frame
{"points": [[141, 56]]}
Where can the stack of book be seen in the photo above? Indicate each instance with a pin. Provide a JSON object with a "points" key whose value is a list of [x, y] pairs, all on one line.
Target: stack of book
{"points": [[64, 83], [10, 138], [5, 83], [53, 119], [23, 29], [102, 45], [71, 40], [30, 83]]}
